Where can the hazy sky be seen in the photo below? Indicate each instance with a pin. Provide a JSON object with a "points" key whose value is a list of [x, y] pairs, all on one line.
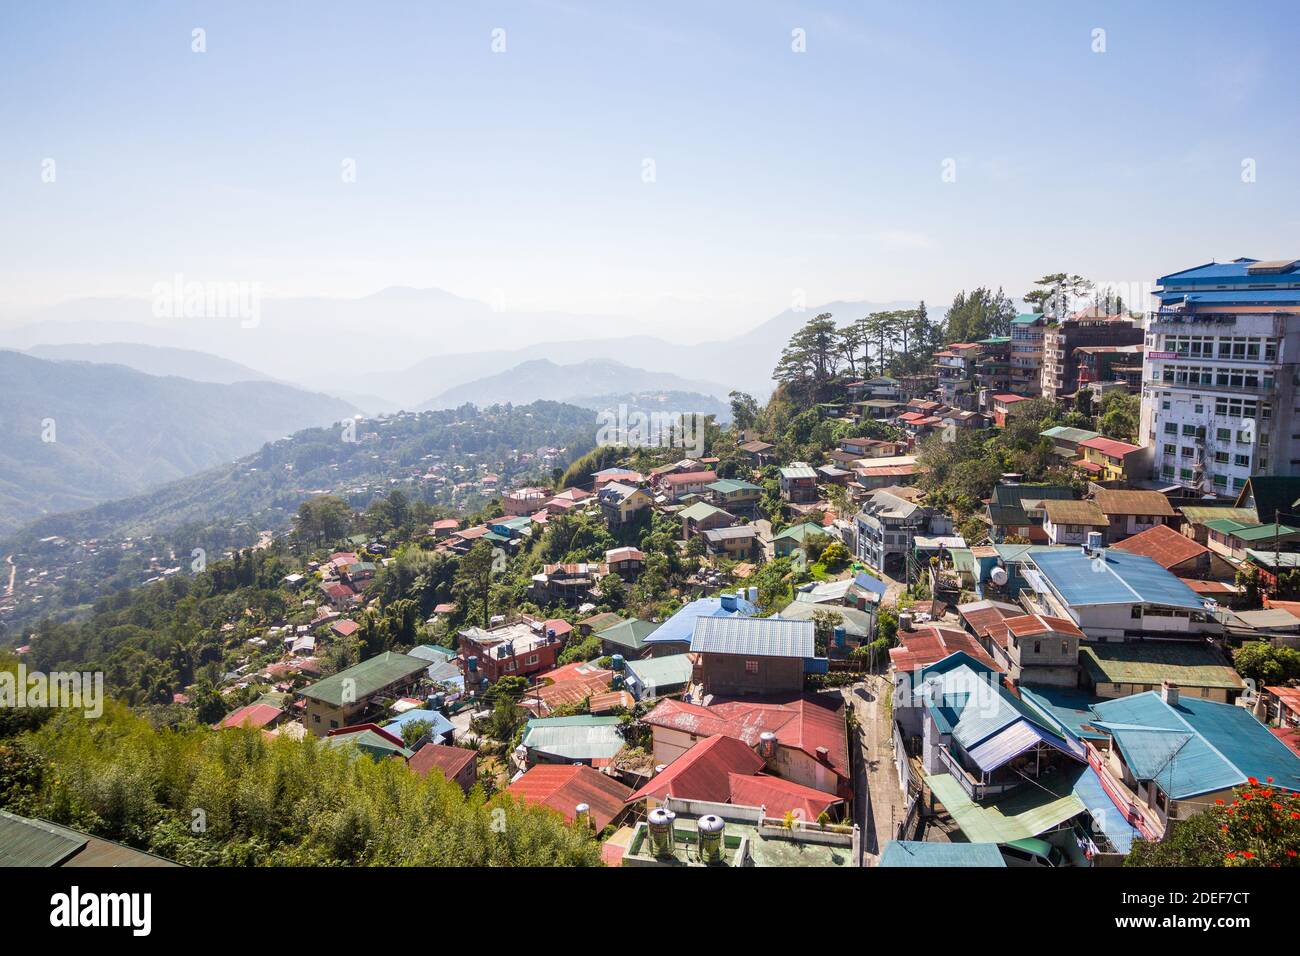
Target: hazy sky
{"points": [[524, 171]]}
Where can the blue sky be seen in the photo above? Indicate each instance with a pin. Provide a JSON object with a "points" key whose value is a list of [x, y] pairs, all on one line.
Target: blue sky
{"points": [[522, 171]]}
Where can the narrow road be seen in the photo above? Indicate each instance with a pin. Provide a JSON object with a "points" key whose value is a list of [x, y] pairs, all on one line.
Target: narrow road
{"points": [[885, 804], [13, 576]]}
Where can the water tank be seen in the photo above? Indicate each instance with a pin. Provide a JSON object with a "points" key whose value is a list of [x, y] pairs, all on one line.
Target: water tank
{"points": [[616, 662], [839, 638], [1094, 541], [710, 830], [753, 595], [767, 745], [582, 815], [905, 621], [472, 664], [998, 576], [662, 839]]}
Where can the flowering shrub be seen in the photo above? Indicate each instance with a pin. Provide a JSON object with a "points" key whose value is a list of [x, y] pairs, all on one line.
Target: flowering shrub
{"points": [[1259, 826]]}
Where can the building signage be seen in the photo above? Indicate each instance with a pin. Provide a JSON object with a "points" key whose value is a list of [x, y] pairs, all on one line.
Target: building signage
{"points": [[1162, 355]]}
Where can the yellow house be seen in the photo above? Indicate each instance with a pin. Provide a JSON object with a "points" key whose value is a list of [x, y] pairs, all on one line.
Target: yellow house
{"points": [[1106, 459]]}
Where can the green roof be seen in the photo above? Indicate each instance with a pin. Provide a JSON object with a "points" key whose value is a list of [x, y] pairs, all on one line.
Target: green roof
{"points": [[368, 677], [630, 634], [1199, 514], [1027, 318], [700, 511], [1250, 532], [1270, 494], [728, 486], [1187, 663], [369, 742], [1025, 812], [664, 674], [800, 532], [28, 841]]}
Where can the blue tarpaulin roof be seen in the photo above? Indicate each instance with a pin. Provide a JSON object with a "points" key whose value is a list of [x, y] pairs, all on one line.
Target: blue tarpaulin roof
{"points": [[868, 583]]}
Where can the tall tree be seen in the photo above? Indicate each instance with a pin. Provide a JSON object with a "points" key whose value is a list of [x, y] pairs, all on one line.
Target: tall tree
{"points": [[977, 315], [811, 359], [1054, 295]]}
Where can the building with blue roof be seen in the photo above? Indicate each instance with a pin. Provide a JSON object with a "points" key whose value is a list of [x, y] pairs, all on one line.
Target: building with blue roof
{"points": [[440, 728], [1113, 595], [679, 628], [1219, 395], [1179, 754], [974, 729]]}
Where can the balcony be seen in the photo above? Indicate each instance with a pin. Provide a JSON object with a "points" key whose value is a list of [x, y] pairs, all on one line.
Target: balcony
{"points": [[1263, 391]]}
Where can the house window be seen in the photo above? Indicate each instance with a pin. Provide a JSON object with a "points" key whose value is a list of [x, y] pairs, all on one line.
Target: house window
{"points": [[315, 718], [751, 667], [533, 659]]}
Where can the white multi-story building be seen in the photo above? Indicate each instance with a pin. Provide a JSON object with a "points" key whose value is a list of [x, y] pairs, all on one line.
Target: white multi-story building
{"points": [[1218, 383]]}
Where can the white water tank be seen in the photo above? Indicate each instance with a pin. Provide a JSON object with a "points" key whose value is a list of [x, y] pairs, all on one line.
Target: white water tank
{"points": [[998, 576], [711, 831]]}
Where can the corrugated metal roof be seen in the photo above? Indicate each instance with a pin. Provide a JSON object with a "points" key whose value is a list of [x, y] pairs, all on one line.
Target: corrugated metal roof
{"points": [[755, 636], [574, 738], [1021, 815], [368, 677], [1114, 577], [657, 675], [1198, 746], [1015, 739], [945, 855], [26, 843]]}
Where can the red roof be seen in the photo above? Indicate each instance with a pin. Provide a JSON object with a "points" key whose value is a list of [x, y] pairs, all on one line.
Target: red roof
{"points": [[780, 797], [345, 628], [1027, 625], [702, 772], [449, 523], [1163, 545], [1289, 736], [1111, 447], [691, 477], [1290, 696], [252, 715], [804, 723], [449, 760], [1006, 398], [930, 643], [563, 786]]}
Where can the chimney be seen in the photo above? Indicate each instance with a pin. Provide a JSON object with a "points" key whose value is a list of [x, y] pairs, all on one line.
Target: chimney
{"points": [[1169, 692], [823, 755]]}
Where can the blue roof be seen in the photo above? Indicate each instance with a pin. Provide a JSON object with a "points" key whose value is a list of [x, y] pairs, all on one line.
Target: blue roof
{"points": [[1116, 577], [439, 726], [869, 583], [1101, 808], [1198, 283], [1196, 746], [681, 626], [917, 853], [986, 720], [1067, 706]]}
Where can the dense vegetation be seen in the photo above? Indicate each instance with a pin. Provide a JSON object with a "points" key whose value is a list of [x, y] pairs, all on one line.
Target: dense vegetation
{"points": [[1260, 826], [236, 797]]}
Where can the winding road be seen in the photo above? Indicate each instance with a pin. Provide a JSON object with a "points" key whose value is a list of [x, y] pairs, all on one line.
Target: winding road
{"points": [[13, 576]]}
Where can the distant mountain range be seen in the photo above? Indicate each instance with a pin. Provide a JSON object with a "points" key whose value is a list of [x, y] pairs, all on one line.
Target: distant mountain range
{"points": [[369, 349], [544, 380], [73, 434]]}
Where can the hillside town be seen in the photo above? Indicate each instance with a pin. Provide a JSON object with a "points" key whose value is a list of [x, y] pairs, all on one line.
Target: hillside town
{"points": [[1034, 602]]}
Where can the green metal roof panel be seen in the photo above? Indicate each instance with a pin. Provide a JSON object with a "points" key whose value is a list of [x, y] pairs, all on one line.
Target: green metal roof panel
{"points": [[1019, 815], [670, 671], [727, 486], [575, 738], [630, 634], [699, 511], [369, 676], [26, 843]]}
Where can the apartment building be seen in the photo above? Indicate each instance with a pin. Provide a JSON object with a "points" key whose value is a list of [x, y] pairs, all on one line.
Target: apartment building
{"points": [[1085, 328], [1218, 394], [1026, 354]]}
